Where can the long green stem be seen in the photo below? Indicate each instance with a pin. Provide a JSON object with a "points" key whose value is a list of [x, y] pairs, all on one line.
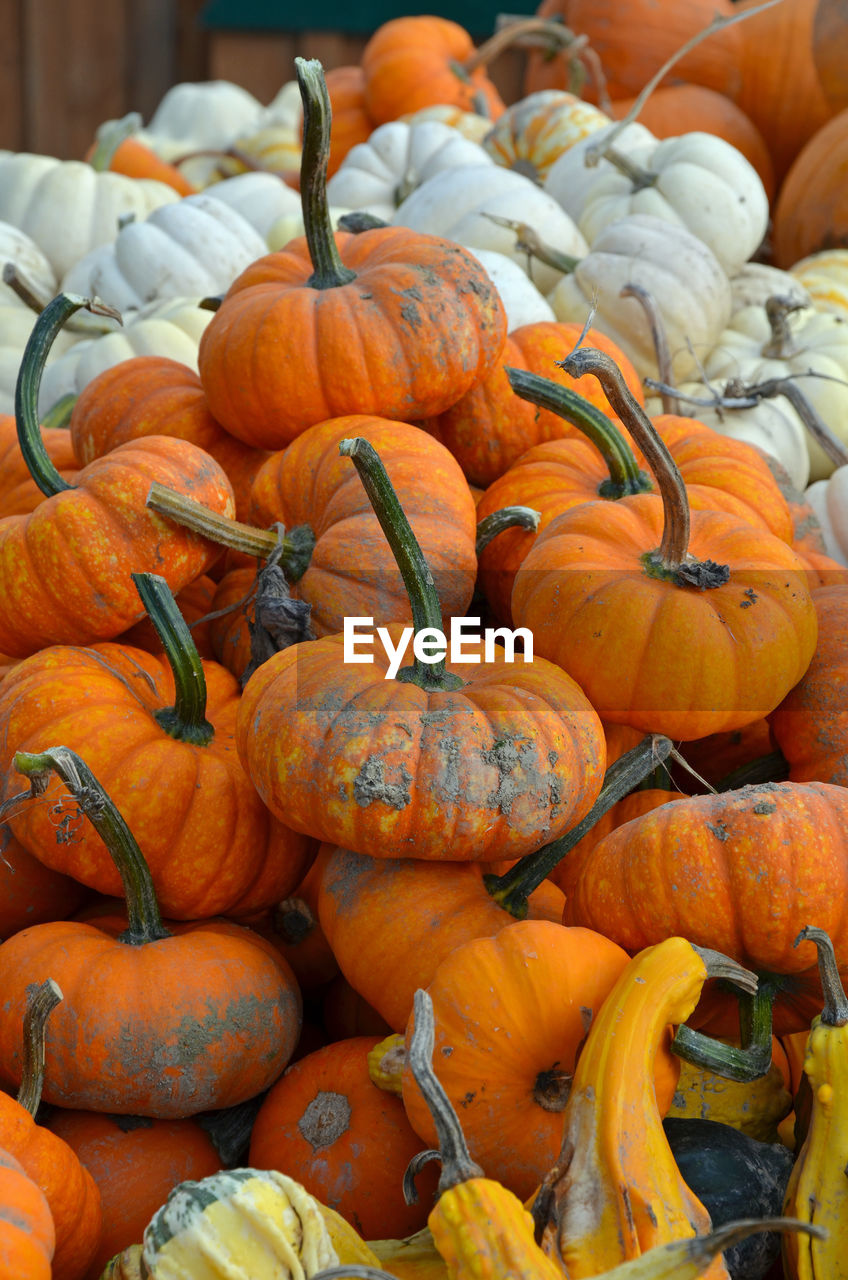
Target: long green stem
{"points": [[41, 1001], [329, 270], [625, 474], [835, 1011], [34, 359], [512, 889], [186, 719], [417, 578], [747, 1062], [145, 921]]}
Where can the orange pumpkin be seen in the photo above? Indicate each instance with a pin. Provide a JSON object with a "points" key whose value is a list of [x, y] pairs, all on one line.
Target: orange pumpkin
{"points": [[811, 724], [27, 1234], [663, 639], [347, 1141], [415, 62], [31, 893], [19, 493], [413, 320], [812, 209], [511, 1014], [352, 122], [210, 1003]]}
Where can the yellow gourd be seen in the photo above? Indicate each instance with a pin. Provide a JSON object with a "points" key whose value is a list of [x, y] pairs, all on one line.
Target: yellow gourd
{"points": [[818, 1186]]}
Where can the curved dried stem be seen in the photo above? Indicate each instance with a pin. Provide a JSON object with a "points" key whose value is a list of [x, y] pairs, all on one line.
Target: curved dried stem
{"points": [[835, 1012], [41, 1001], [648, 303]]}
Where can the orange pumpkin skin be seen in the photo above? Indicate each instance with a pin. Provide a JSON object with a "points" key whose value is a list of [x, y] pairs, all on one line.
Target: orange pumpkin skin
{"points": [[489, 771], [19, 494], [135, 1162], [811, 724], [65, 568], [31, 893], [801, 84], [685, 108], [633, 40], [27, 1234], [490, 427], [717, 659], [229, 633], [411, 62], [424, 911], [135, 159], [632, 806], [812, 208], [210, 843], [419, 325], [152, 395], [347, 1141], [195, 602], [736, 872], [352, 571], [511, 1012], [720, 474], [351, 123], [213, 1007], [70, 1190]]}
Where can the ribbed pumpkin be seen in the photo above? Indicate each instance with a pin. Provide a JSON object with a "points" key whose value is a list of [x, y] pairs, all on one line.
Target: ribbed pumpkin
{"points": [[491, 427], [735, 871], [19, 493], [413, 320], [70, 1190], [415, 62], [811, 724], [27, 1234], [31, 893], [152, 395], [210, 1004], [347, 1141], [135, 1161], [479, 762], [705, 634], [159, 734], [65, 568], [511, 1015], [812, 210]]}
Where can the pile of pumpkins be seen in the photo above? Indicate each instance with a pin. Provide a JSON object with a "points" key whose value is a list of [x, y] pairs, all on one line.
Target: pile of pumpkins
{"points": [[558, 901]]}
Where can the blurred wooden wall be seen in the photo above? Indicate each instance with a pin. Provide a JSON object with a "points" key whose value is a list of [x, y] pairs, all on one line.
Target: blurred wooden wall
{"points": [[67, 65]]}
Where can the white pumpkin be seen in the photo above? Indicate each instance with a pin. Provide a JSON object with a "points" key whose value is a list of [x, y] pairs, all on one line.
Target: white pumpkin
{"points": [[686, 281], [290, 225], [18, 248], [69, 208], [193, 248], [16, 323], [570, 179], [285, 108], [755, 349], [772, 426], [172, 328], [829, 500], [697, 181], [522, 301], [260, 198], [379, 174], [456, 203], [755, 282], [208, 113], [468, 123]]}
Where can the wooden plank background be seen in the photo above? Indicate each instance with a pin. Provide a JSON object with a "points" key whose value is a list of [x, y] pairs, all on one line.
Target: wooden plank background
{"points": [[68, 65]]}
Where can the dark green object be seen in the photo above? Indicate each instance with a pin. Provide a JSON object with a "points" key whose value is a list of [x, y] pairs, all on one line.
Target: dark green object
{"points": [[477, 16], [734, 1177]]}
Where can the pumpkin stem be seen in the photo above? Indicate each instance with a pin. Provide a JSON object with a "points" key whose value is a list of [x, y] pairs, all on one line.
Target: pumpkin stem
{"points": [[530, 242], [41, 1001], [110, 136], [499, 521], [672, 560], [329, 270], [512, 889], [752, 1058], [457, 1165], [625, 474], [824, 437], [35, 355], [417, 578], [639, 177], [835, 1011], [648, 303], [186, 719], [781, 344], [297, 543], [145, 922], [294, 920]]}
